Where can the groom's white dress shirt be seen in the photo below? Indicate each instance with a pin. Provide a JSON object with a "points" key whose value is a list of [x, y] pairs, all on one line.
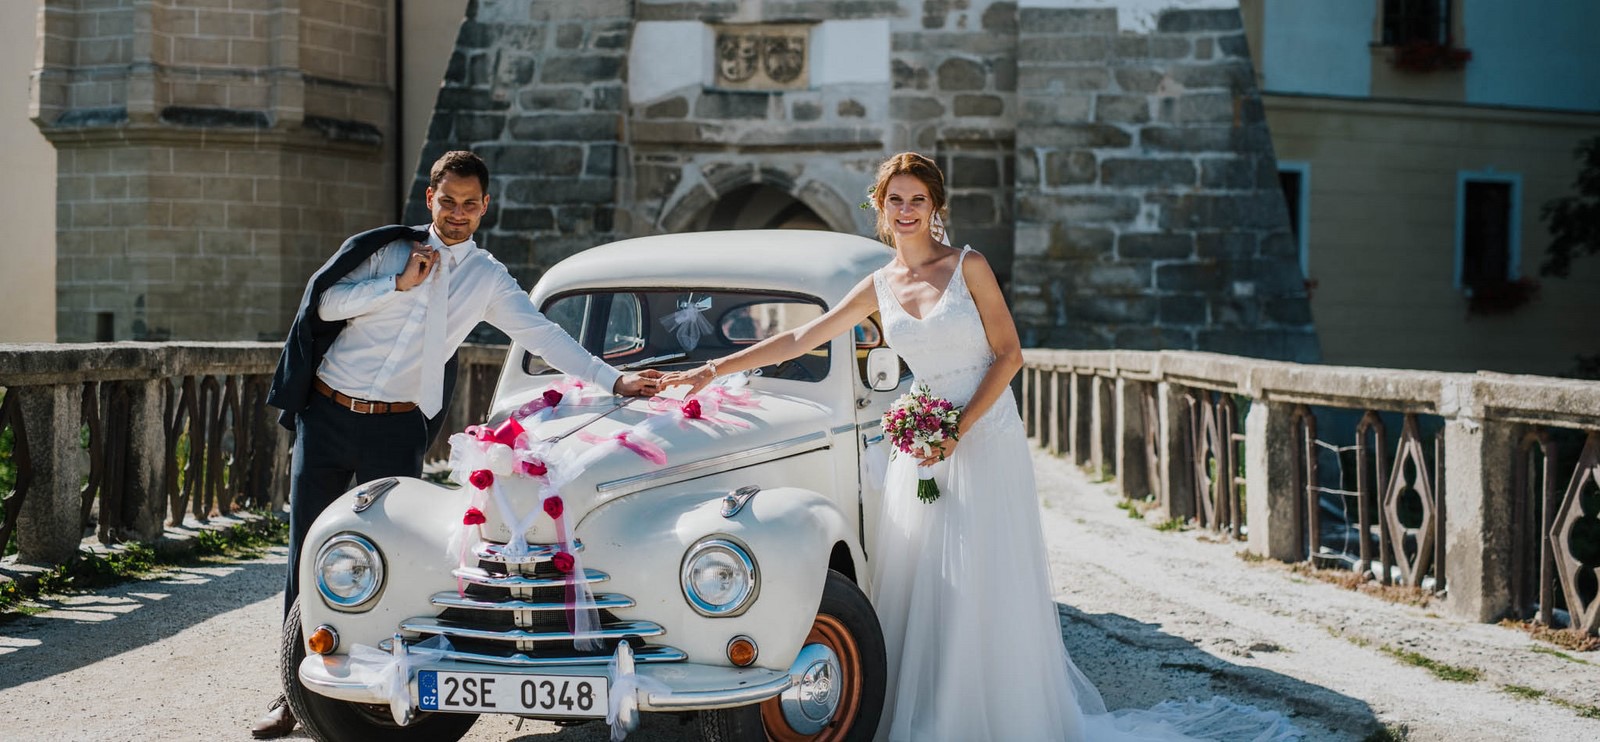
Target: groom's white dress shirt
{"points": [[379, 354]]}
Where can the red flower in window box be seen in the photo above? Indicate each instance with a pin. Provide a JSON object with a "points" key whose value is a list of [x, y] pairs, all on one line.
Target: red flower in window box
{"points": [[1427, 56]]}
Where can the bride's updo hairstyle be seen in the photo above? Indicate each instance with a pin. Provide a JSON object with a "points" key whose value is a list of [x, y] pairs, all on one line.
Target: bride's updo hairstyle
{"points": [[918, 166]]}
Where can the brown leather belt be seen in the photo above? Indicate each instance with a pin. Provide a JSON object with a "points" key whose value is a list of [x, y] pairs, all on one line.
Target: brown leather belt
{"points": [[361, 406]]}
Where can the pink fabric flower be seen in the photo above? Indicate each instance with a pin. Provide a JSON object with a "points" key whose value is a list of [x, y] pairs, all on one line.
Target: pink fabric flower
{"points": [[551, 397], [554, 507], [482, 479], [691, 409], [534, 468], [474, 517], [562, 561]]}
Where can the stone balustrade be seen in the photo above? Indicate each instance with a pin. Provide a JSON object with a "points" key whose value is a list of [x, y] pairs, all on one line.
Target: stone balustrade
{"points": [[1489, 479], [124, 439]]}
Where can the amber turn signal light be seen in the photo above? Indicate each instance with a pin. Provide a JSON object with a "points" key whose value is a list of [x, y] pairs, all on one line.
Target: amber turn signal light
{"points": [[742, 651], [323, 641]]}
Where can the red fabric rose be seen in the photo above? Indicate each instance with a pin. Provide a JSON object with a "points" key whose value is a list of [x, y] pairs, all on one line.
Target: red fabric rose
{"points": [[551, 397], [482, 479], [691, 409], [562, 562], [534, 468], [554, 507], [474, 517]]}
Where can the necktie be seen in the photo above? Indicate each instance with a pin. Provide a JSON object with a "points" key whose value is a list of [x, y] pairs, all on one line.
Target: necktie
{"points": [[430, 395]]}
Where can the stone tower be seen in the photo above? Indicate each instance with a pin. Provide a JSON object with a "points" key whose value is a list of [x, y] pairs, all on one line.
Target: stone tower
{"points": [[211, 155]]}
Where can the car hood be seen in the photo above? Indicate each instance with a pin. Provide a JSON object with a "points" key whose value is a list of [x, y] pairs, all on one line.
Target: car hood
{"points": [[591, 466]]}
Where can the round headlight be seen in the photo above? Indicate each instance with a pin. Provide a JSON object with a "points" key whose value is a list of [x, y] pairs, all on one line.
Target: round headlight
{"points": [[349, 571], [719, 577]]}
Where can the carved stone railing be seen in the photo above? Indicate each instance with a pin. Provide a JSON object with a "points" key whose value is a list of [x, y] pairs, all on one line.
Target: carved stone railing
{"points": [[124, 439], [1490, 479]]}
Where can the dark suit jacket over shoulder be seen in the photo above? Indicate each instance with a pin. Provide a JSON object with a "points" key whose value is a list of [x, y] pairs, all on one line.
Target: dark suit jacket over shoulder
{"points": [[310, 336]]}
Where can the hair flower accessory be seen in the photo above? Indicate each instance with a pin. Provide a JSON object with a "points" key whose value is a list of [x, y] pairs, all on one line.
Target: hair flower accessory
{"points": [[482, 479], [473, 517], [554, 507]]}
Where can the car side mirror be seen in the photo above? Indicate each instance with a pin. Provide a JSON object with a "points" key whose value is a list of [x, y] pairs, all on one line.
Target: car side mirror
{"points": [[883, 369]]}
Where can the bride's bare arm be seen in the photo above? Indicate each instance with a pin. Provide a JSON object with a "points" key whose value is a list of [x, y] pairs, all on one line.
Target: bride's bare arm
{"points": [[860, 303], [1002, 335]]}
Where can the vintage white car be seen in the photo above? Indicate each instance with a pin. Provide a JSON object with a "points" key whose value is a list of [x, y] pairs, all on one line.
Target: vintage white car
{"points": [[735, 573]]}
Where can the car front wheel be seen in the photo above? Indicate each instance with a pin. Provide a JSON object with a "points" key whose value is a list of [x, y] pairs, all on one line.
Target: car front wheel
{"points": [[332, 720], [842, 667]]}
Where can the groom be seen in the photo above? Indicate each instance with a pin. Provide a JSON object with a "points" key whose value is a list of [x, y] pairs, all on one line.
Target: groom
{"points": [[368, 367]]}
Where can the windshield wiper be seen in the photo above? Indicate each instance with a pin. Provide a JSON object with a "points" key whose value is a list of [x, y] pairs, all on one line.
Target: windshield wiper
{"points": [[648, 361]]}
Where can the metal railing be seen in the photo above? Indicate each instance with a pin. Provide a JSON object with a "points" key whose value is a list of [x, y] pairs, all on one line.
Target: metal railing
{"points": [[1490, 479], [122, 440]]}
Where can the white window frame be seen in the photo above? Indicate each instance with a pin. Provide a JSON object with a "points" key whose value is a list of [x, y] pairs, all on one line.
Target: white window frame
{"points": [[1514, 229], [1303, 228]]}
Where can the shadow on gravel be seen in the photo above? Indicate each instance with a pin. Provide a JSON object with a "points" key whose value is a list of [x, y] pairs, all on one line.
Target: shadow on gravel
{"points": [[85, 629], [1137, 665]]}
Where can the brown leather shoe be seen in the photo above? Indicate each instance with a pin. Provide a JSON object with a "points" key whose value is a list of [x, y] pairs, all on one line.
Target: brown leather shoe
{"points": [[277, 722]]}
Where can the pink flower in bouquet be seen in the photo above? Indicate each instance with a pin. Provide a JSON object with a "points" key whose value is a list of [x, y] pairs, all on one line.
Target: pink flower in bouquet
{"points": [[535, 468], [562, 561], [482, 479], [473, 517], [918, 424], [554, 507]]}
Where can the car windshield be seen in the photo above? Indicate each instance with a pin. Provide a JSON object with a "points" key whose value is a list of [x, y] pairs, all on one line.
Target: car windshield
{"points": [[678, 329]]}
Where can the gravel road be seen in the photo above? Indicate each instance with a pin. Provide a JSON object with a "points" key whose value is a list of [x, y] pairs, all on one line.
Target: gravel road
{"points": [[190, 655]]}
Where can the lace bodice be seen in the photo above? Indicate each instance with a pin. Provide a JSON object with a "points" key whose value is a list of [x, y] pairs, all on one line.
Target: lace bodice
{"points": [[947, 348]]}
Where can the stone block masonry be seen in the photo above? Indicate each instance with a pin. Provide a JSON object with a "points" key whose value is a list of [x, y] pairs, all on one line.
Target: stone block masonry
{"points": [[1148, 206], [211, 156]]}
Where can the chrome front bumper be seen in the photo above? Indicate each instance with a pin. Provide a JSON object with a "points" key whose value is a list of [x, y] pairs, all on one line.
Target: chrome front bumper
{"points": [[694, 687]]}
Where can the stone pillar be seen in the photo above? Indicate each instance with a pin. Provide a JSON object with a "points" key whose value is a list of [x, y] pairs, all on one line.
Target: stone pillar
{"points": [[1057, 417], [48, 528], [1133, 475], [1102, 417], [1477, 493], [1270, 453], [1081, 418], [144, 498], [1172, 442]]}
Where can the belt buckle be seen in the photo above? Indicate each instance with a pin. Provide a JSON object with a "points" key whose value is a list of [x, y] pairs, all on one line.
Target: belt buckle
{"points": [[353, 403]]}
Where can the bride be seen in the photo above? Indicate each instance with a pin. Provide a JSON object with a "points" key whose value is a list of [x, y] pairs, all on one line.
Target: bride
{"points": [[961, 585]]}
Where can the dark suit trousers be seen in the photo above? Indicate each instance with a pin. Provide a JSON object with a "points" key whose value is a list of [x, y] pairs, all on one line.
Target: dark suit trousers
{"points": [[333, 448]]}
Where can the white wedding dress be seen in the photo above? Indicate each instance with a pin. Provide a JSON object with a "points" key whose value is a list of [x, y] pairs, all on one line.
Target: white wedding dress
{"points": [[962, 585]]}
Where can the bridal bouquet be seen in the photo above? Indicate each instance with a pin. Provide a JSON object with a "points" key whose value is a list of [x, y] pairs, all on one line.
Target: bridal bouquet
{"points": [[916, 424]]}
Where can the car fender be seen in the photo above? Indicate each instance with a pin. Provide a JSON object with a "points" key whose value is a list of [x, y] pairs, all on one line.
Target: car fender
{"points": [[411, 525], [641, 541]]}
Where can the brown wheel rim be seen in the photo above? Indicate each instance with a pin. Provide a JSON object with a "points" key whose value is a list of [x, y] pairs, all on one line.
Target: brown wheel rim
{"points": [[830, 632]]}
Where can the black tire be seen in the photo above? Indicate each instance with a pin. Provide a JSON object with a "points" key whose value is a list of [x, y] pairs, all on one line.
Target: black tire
{"points": [[332, 720], [864, 668]]}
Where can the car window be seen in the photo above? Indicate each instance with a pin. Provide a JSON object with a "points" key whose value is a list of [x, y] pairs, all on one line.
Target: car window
{"points": [[672, 329]]}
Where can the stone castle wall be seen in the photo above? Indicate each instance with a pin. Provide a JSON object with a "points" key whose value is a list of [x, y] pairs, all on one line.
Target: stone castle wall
{"points": [[1149, 213], [211, 155], [1120, 179]]}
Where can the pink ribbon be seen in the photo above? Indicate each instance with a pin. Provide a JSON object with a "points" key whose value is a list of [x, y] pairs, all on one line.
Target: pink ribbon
{"points": [[646, 450], [695, 409]]}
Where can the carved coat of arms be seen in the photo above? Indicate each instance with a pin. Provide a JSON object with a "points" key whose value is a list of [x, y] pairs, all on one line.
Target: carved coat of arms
{"points": [[762, 57]]}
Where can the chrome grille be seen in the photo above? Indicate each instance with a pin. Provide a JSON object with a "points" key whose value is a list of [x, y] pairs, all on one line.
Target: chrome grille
{"points": [[512, 610]]}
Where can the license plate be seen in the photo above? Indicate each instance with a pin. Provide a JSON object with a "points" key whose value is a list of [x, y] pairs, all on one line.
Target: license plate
{"points": [[495, 693]]}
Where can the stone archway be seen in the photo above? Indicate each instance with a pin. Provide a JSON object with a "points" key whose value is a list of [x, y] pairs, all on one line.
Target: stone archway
{"points": [[757, 206], [747, 196]]}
